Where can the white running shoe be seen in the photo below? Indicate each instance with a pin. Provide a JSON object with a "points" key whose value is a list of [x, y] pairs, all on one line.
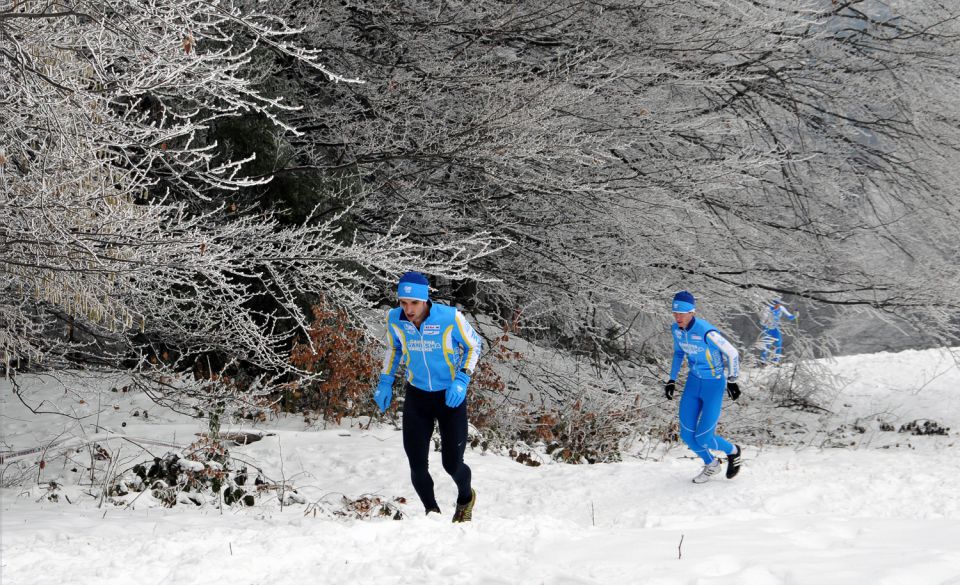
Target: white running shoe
{"points": [[708, 471]]}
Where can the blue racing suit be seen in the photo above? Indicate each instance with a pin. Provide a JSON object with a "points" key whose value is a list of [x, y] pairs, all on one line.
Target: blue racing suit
{"points": [[770, 336], [709, 355]]}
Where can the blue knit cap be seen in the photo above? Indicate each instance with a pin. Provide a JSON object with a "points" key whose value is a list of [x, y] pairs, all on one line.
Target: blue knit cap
{"points": [[414, 286], [683, 302]]}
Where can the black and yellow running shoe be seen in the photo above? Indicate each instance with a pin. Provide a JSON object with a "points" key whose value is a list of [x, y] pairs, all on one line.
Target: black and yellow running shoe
{"points": [[464, 512]]}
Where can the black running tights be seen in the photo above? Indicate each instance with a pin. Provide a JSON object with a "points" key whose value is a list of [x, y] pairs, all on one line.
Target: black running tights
{"points": [[420, 410]]}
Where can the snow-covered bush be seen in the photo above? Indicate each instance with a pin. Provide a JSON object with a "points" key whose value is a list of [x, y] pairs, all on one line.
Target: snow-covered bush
{"points": [[533, 403], [204, 473]]}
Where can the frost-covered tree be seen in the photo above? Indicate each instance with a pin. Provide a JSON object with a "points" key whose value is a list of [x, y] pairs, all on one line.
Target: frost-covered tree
{"points": [[630, 149], [117, 241]]}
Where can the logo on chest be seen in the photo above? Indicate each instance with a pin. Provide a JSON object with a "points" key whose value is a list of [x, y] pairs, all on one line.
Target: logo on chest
{"points": [[425, 345], [431, 330], [694, 337]]}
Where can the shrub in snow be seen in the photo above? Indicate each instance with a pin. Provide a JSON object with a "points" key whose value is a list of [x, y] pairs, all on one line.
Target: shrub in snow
{"points": [[362, 508], [926, 427], [802, 385], [583, 416], [204, 473], [341, 362]]}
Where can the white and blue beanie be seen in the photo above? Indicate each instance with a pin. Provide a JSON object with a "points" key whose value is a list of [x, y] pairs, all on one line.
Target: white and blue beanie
{"points": [[683, 302], [414, 286]]}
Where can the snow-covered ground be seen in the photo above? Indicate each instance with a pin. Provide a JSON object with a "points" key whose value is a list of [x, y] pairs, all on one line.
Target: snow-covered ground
{"points": [[884, 510]]}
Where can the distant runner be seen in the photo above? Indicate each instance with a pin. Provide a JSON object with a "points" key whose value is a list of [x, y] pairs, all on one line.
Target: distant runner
{"points": [[770, 336]]}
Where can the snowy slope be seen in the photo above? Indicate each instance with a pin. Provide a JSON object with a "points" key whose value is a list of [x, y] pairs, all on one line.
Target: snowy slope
{"points": [[885, 510]]}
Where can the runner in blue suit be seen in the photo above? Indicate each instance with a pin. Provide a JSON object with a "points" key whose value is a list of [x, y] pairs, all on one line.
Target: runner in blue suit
{"points": [[771, 337], [440, 350], [709, 355]]}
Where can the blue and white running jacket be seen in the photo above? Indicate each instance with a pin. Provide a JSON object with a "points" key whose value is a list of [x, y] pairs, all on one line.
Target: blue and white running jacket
{"points": [[708, 352], [433, 354], [770, 318]]}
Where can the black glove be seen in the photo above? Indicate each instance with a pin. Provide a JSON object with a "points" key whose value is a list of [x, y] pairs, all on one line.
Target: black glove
{"points": [[733, 390], [669, 389]]}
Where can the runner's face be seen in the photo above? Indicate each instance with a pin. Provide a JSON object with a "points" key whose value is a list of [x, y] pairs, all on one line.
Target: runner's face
{"points": [[416, 311], [683, 319]]}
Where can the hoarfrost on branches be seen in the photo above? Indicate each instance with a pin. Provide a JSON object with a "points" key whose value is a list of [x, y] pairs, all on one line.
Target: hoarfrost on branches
{"points": [[115, 244]]}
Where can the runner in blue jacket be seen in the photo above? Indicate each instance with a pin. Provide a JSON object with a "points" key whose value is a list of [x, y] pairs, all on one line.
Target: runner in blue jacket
{"points": [[770, 337], [709, 355], [440, 351]]}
